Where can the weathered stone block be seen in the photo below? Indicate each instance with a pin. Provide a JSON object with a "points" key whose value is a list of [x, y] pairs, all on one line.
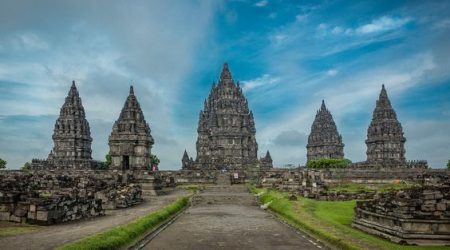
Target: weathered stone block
{"points": [[42, 215], [428, 207], [4, 216], [441, 206]]}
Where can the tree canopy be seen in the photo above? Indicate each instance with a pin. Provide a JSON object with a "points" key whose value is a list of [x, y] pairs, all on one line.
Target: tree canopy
{"points": [[2, 163], [328, 163]]}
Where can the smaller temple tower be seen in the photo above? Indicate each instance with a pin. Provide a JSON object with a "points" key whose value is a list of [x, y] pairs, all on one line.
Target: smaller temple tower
{"points": [[186, 162], [72, 135], [71, 138], [130, 141], [324, 141], [385, 141], [266, 162]]}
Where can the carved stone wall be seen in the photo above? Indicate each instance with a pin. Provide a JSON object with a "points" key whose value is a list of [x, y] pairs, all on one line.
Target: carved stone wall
{"points": [[71, 137], [226, 128], [385, 141], [130, 141], [324, 141]]}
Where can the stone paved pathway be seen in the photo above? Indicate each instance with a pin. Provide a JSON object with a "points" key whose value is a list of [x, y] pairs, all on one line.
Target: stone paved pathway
{"points": [[57, 235], [228, 218]]}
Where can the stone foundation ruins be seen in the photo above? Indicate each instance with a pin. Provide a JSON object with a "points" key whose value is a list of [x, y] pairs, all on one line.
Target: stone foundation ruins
{"points": [[417, 216], [47, 197]]}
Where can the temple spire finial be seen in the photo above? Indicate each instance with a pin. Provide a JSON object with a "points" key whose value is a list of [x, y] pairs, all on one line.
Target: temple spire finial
{"points": [[131, 90], [323, 107], [226, 74]]}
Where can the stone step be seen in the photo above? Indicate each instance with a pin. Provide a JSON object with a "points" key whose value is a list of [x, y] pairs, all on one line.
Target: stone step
{"points": [[215, 199]]}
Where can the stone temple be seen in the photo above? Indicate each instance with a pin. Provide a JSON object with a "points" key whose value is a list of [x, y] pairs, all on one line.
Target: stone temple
{"points": [[226, 128], [71, 137], [324, 141], [130, 141], [385, 141], [266, 163]]}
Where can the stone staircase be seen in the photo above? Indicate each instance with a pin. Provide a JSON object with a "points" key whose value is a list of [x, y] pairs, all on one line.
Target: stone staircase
{"points": [[224, 195], [223, 179]]}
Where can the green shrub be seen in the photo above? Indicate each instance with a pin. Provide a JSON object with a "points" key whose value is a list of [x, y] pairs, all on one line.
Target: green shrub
{"points": [[26, 167], [2, 163], [328, 163]]}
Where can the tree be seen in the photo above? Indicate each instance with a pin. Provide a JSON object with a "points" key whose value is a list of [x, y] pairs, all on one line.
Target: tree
{"points": [[107, 163], [154, 161], [26, 167], [448, 164], [2, 163], [328, 163]]}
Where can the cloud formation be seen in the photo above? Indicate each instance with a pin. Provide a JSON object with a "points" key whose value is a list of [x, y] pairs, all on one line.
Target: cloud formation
{"points": [[288, 57]]}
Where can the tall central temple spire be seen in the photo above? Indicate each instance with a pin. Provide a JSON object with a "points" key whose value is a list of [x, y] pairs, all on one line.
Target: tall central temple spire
{"points": [[226, 128]]}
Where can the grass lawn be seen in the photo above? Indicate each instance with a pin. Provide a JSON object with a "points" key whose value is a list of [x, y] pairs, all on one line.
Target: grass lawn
{"points": [[12, 228], [329, 221]]}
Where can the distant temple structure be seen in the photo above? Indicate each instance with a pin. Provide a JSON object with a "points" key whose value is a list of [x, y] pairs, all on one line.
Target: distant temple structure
{"points": [[186, 162], [385, 141], [266, 163], [130, 141], [324, 141], [71, 137], [226, 128]]}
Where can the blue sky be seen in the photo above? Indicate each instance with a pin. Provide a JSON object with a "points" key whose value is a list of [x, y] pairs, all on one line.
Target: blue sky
{"points": [[288, 56]]}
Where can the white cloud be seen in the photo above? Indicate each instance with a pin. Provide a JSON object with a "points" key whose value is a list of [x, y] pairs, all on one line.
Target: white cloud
{"points": [[104, 54], [264, 80], [262, 3], [332, 72], [278, 39], [350, 94], [337, 30], [382, 24], [301, 17]]}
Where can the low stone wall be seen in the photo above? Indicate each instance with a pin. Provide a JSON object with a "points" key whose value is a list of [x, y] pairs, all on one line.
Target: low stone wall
{"points": [[79, 164], [58, 207], [47, 197], [315, 183], [418, 216]]}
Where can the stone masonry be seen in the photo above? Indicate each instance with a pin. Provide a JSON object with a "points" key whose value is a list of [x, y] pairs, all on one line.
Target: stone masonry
{"points": [[266, 163], [130, 141], [416, 216], [324, 141], [385, 141], [72, 137], [226, 128]]}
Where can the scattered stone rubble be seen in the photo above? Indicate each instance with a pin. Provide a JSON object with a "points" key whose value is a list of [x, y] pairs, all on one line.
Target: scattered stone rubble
{"points": [[47, 197], [418, 216]]}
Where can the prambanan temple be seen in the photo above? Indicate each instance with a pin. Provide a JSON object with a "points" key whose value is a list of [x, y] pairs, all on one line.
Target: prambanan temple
{"points": [[324, 141], [226, 135], [385, 140], [226, 128], [227, 153]]}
